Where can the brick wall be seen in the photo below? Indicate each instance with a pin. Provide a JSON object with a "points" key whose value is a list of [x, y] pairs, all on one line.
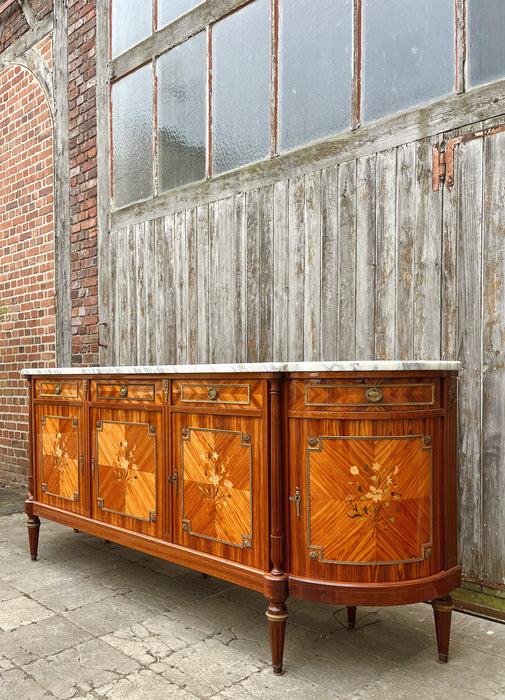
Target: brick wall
{"points": [[27, 334], [83, 173]]}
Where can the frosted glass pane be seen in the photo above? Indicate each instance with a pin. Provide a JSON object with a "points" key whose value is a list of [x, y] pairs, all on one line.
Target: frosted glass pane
{"points": [[486, 41], [182, 114], [408, 54], [132, 137], [315, 69], [168, 10], [241, 87], [131, 22]]}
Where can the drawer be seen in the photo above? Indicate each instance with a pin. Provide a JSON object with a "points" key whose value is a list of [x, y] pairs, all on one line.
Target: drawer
{"points": [[388, 394], [59, 389], [222, 393], [141, 391]]}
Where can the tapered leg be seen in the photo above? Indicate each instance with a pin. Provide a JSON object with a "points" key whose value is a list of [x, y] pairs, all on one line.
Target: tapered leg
{"points": [[351, 617], [442, 609], [277, 615], [33, 535]]}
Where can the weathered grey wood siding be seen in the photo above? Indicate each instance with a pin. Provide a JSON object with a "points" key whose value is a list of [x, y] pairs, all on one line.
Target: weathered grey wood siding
{"points": [[361, 259]]}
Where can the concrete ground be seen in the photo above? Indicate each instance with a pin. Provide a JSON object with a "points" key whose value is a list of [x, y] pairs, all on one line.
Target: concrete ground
{"points": [[95, 620]]}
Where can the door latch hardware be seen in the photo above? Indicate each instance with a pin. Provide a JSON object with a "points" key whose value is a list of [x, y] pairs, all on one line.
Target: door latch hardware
{"points": [[174, 480], [296, 500]]}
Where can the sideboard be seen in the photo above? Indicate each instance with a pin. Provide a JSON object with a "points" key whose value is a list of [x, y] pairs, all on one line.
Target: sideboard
{"points": [[331, 482]]}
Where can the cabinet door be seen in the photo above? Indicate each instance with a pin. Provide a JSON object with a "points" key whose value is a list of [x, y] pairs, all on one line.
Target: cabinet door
{"points": [[221, 488], [60, 462], [366, 499], [126, 458]]}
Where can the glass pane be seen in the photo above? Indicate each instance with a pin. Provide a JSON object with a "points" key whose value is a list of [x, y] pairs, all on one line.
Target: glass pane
{"points": [[168, 10], [182, 114], [408, 54], [132, 137], [131, 22], [241, 87], [315, 69], [486, 44]]}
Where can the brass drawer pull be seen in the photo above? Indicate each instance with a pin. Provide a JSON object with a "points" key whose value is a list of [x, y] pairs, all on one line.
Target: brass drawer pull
{"points": [[124, 390], [373, 395], [213, 393]]}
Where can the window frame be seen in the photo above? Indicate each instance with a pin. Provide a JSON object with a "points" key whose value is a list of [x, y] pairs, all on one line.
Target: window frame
{"points": [[202, 18]]}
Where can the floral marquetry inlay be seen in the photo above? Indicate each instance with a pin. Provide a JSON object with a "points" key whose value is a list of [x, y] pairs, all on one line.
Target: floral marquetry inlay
{"points": [[374, 500], [216, 486], [59, 455], [369, 499], [126, 473]]}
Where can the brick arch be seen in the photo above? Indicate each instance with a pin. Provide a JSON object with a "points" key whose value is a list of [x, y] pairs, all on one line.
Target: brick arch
{"points": [[27, 241]]}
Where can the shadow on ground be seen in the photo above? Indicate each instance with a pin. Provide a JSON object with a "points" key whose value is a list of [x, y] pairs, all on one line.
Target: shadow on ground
{"points": [[11, 500]]}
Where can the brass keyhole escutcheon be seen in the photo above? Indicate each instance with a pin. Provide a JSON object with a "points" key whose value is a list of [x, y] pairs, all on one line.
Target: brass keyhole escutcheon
{"points": [[124, 390], [373, 395], [57, 389], [213, 393]]}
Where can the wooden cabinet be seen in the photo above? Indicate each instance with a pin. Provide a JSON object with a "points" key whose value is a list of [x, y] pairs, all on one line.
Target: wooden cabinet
{"points": [[333, 486]]}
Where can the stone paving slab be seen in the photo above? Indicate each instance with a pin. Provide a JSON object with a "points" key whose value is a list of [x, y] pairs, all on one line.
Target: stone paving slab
{"points": [[92, 619]]}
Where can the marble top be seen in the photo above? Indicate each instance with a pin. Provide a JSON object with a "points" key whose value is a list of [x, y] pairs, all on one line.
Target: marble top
{"points": [[342, 366]]}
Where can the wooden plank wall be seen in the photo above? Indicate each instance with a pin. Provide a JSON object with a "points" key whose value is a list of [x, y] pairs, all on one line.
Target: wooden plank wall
{"points": [[359, 260]]}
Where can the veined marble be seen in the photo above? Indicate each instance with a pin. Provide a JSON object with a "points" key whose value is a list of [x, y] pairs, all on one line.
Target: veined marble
{"points": [[335, 366]]}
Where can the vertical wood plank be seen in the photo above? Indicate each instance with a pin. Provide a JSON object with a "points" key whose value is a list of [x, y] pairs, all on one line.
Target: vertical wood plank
{"points": [[428, 258], [171, 316], [203, 284], [266, 283], [385, 301], [140, 300], [468, 192], [281, 272], [405, 207], [329, 263], [158, 317], [238, 353], [365, 258], [180, 287], [312, 273], [346, 347], [192, 287], [493, 370], [253, 275], [296, 270]]}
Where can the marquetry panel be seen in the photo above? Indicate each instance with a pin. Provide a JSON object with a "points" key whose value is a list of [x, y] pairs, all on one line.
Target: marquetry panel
{"points": [[369, 499], [365, 498], [221, 486], [221, 393], [60, 389], [146, 391], [60, 458], [126, 458]]}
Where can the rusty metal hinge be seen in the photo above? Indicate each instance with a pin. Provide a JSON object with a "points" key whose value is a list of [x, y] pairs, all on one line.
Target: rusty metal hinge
{"points": [[443, 155]]}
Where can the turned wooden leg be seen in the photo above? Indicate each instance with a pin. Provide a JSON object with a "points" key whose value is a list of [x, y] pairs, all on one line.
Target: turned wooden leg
{"points": [[277, 615], [442, 609], [351, 617], [33, 535]]}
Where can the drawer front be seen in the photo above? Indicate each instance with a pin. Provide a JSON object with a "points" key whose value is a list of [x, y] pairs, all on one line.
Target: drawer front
{"points": [[221, 393], [146, 392], [59, 389], [390, 395]]}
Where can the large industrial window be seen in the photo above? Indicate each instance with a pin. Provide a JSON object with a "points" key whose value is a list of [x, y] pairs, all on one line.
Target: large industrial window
{"points": [[200, 88]]}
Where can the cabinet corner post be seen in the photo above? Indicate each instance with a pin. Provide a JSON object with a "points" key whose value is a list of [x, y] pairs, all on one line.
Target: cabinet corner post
{"points": [[276, 583]]}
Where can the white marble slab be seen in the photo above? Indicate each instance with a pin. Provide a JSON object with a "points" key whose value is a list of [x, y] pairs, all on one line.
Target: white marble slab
{"points": [[343, 366]]}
